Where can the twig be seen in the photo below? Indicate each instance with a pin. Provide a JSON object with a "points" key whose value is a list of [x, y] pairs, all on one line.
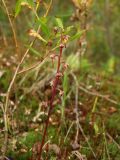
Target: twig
{"points": [[9, 90], [86, 139], [77, 113], [79, 155], [30, 68], [98, 95], [77, 119], [11, 24], [106, 144], [7, 99], [36, 64], [1, 105], [76, 108], [68, 131], [110, 137]]}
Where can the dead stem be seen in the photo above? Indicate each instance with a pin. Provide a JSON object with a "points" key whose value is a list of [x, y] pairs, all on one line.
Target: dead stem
{"points": [[11, 24], [87, 141], [79, 127], [98, 95], [110, 137], [76, 109]]}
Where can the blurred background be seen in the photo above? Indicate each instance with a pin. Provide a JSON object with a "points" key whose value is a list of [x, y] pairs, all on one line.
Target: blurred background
{"points": [[102, 23]]}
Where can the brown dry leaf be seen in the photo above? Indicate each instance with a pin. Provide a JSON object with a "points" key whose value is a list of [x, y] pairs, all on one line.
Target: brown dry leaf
{"points": [[33, 33], [79, 155], [14, 142], [55, 148], [23, 150], [45, 5], [27, 111], [26, 4], [112, 110], [88, 3], [78, 3], [75, 146], [1, 73], [36, 148]]}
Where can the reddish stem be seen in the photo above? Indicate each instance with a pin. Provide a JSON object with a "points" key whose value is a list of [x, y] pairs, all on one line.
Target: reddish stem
{"points": [[56, 81]]}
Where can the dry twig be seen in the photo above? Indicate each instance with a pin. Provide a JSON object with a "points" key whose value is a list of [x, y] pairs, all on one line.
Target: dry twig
{"points": [[4, 148], [98, 95]]}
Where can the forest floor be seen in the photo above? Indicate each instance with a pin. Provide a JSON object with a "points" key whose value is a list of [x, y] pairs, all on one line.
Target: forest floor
{"points": [[85, 122]]}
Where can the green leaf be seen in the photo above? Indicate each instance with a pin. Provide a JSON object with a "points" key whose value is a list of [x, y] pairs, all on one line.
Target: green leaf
{"points": [[34, 51], [59, 23], [18, 7], [110, 66], [73, 61], [96, 128], [65, 83], [63, 16], [68, 29], [77, 35], [44, 26], [31, 3], [41, 38]]}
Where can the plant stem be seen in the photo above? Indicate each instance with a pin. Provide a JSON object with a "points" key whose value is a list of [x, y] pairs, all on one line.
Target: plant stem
{"points": [[11, 24], [56, 81], [4, 147]]}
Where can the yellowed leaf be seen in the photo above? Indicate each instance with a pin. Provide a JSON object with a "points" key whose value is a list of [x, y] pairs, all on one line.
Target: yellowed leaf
{"points": [[33, 33]]}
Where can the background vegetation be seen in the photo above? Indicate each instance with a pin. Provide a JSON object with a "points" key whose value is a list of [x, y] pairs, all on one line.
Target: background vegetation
{"points": [[84, 123]]}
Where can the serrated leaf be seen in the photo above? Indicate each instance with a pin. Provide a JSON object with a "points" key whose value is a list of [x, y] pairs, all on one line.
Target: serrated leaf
{"points": [[77, 35], [59, 23], [18, 7]]}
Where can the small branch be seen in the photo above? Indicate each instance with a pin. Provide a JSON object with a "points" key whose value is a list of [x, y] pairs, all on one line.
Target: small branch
{"points": [[110, 137], [105, 142], [36, 64], [30, 68], [76, 108], [48, 9], [98, 95], [4, 148], [77, 113], [68, 131], [77, 117], [86, 139], [11, 24]]}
